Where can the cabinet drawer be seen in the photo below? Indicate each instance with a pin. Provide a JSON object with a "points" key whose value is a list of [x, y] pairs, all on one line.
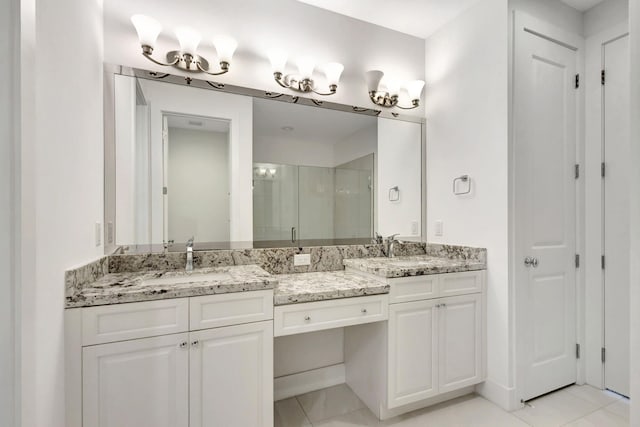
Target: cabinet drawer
{"points": [[315, 316], [119, 322], [467, 282], [412, 288], [213, 311]]}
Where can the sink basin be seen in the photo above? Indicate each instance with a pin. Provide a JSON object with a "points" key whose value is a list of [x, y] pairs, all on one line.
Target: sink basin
{"points": [[184, 278]]}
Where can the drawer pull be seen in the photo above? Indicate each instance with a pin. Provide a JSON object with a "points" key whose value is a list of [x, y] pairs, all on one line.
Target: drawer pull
{"points": [[364, 311], [307, 318]]}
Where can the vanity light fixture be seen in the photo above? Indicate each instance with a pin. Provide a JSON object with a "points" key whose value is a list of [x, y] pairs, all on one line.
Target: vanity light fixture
{"points": [[303, 81], [186, 58], [386, 93]]}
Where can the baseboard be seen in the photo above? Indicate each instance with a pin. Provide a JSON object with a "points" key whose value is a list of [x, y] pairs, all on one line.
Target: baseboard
{"points": [[385, 413], [304, 382], [505, 397]]}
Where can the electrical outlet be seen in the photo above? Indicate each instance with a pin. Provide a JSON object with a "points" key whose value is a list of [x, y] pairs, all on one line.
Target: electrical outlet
{"points": [[439, 228], [414, 228], [301, 259], [98, 234]]}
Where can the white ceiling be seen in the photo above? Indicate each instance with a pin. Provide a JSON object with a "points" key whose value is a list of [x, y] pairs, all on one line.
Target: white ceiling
{"points": [[582, 5], [310, 124], [420, 18]]}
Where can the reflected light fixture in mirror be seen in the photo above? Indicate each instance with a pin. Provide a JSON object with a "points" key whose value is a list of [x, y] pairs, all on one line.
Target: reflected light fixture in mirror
{"points": [[303, 80], [385, 92], [187, 57]]}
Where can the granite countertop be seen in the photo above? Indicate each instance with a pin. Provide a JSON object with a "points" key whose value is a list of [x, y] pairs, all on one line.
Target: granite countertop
{"points": [[320, 286], [418, 265], [115, 288]]}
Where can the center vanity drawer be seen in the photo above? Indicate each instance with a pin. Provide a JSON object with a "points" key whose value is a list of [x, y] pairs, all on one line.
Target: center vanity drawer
{"points": [[213, 311], [315, 316]]}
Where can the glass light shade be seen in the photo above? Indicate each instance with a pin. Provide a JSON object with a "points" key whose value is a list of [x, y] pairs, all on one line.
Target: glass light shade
{"points": [[189, 40], [373, 78], [278, 59], [393, 86], [147, 28], [414, 89], [225, 46], [306, 64], [333, 70]]}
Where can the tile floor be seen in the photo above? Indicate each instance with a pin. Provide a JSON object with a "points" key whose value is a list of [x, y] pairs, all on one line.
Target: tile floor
{"points": [[574, 406]]}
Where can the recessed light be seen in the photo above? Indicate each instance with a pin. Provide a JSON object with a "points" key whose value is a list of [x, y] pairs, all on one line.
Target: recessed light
{"points": [[287, 128]]}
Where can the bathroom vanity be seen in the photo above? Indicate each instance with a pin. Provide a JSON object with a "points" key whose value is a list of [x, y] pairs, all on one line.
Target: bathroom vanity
{"points": [[158, 347]]}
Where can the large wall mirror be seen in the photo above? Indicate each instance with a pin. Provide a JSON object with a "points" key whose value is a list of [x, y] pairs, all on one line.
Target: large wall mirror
{"points": [[236, 170]]}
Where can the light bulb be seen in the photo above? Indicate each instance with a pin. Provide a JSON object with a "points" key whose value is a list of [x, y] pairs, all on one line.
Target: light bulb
{"points": [[147, 28], [189, 40], [333, 71], [225, 46], [278, 59], [414, 89], [306, 64], [373, 78]]}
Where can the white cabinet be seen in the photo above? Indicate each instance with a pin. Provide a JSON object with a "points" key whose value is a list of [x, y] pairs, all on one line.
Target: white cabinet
{"points": [[459, 342], [138, 383], [435, 345], [412, 352], [211, 377], [231, 376]]}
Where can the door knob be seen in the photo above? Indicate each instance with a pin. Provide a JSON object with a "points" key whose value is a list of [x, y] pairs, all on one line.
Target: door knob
{"points": [[531, 262], [534, 262]]}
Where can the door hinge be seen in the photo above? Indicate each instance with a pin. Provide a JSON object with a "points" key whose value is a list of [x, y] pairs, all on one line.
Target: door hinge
{"points": [[577, 81], [602, 262], [164, 190], [603, 169], [577, 171], [577, 351], [577, 260], [603, 354], [603, 77]]}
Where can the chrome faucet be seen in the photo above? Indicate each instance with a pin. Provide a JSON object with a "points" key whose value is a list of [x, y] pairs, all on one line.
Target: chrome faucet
{"points": [[390, 243], [189, 267]]}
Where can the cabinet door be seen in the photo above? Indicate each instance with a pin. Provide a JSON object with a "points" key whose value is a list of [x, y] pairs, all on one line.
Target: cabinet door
{"points": [[412, 372], [460, 342], [138, 383], [231, 376]]}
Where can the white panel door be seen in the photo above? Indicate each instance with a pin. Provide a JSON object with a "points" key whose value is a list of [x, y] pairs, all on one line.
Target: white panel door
{"points": [[545, 214], [138, 383], [616, 214], [231, 376], [412, 353], [459, 342]]}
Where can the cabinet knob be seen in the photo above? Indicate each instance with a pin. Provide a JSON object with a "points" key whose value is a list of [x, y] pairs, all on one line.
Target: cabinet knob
{"points": [[183, 344], [307, 318], [195, 343], [437, 305], [364, 311]]}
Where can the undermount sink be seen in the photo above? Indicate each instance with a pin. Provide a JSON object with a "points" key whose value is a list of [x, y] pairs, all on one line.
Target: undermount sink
{"points": [[176, 279]]}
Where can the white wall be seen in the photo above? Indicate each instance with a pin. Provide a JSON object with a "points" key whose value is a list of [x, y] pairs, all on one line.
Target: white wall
{"points": [[634, 198], [553, 12], [168, 98], [359, 144], [61, 184], [198, 181], [467, 124], [259, 26], [605, 15], [8, 258], [291, 151]]}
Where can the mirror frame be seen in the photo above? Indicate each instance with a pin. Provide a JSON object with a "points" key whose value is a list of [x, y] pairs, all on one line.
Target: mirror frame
{"points": [[111, 70]]}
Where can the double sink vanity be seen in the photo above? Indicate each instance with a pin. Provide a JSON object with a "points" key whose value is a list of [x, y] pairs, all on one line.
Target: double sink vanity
{"points": [[149, 344]]}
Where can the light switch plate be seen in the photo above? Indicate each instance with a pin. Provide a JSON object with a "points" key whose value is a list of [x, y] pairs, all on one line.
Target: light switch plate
{"points": [[414, 228], [301, 259], [439, 228]]}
